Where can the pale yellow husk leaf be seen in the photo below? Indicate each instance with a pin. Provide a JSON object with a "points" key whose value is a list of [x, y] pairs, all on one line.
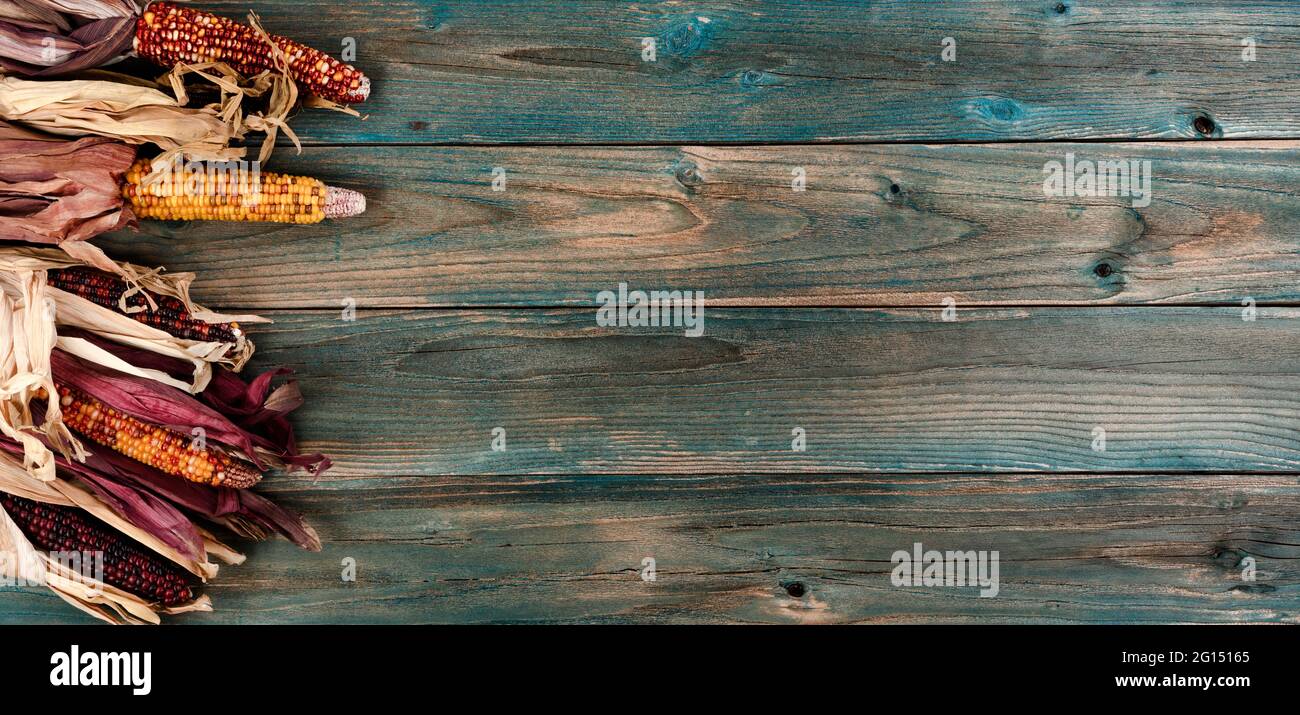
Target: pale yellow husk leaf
{"points": [[129, 112]]}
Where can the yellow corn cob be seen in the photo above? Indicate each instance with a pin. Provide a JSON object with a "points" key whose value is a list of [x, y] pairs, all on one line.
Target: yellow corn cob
{"points": [[218, 196], [161, 448]]}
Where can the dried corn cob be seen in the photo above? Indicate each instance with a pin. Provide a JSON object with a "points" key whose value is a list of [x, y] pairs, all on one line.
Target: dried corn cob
{"points": [[266, 196], [167, 34], [159, 447], [170, 316], [126, 566]]}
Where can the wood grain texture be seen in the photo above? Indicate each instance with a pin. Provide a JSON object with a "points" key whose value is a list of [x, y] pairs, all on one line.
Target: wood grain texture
{"points": [[419, 392], [924, 181], [876, 225], [784, 70], [1072, 549]]}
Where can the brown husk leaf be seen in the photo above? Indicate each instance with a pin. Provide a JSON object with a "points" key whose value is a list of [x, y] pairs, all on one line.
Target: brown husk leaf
{"points": [[41, 38], [127, 112], [62, 192]]}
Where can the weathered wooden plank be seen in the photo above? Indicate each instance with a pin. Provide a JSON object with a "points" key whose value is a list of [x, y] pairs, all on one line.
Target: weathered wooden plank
{"points": [[420, 392], [1091, 548], [876, 225], [783, 70]]}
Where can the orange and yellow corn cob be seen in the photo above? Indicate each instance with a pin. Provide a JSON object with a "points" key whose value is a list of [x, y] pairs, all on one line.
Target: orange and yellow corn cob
{"points": [[168, 34], [267, 196], [163, 449]]}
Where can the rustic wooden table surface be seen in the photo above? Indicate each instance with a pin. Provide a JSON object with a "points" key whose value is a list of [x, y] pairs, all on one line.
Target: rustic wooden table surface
{"points": [[1172, 327]]}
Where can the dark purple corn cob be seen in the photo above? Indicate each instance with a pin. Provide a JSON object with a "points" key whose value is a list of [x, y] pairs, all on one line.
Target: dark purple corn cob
{"points": [[126, 565], [171, 316]]}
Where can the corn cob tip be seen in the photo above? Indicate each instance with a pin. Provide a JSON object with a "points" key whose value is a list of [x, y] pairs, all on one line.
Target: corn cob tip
{"points": [[238, 476], [360, 94], [343, 203]]}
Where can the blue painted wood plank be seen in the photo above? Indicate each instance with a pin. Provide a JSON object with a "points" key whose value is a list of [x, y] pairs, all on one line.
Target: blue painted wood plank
{"points": [[783, 70], [421, 392], [873, 225], [1071, 549]]}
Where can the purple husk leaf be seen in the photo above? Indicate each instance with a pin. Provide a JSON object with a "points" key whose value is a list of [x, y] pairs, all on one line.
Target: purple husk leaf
{"points": [[147, 511], [244, 512], [150, 401], [257, 409]]}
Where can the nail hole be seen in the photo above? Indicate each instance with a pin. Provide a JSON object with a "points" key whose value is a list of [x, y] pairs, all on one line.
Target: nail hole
{"points": [[894, 188], [796, 589], [1103, 270], [1061, 8], [1203, 125]]}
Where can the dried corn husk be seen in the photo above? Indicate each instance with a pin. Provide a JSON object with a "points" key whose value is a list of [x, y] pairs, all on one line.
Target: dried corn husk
{"points": [[280, 91], [25, 374], [277, 88], [127, 112], [30, 312], [51, 37], [72, 311], [62, 192], [253, 412]]}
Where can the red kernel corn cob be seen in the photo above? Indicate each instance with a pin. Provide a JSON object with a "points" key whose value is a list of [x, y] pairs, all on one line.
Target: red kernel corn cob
{"points": [[279, 198], [167, 34], [127, 566], [159, 447], [170, 317]]}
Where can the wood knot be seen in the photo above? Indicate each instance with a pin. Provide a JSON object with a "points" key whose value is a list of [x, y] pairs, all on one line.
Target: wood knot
{"points": [[1253, 588], [1108, 272], [796, 589], [686, 37], [688, 174], [998, 109], [754, 78]]}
